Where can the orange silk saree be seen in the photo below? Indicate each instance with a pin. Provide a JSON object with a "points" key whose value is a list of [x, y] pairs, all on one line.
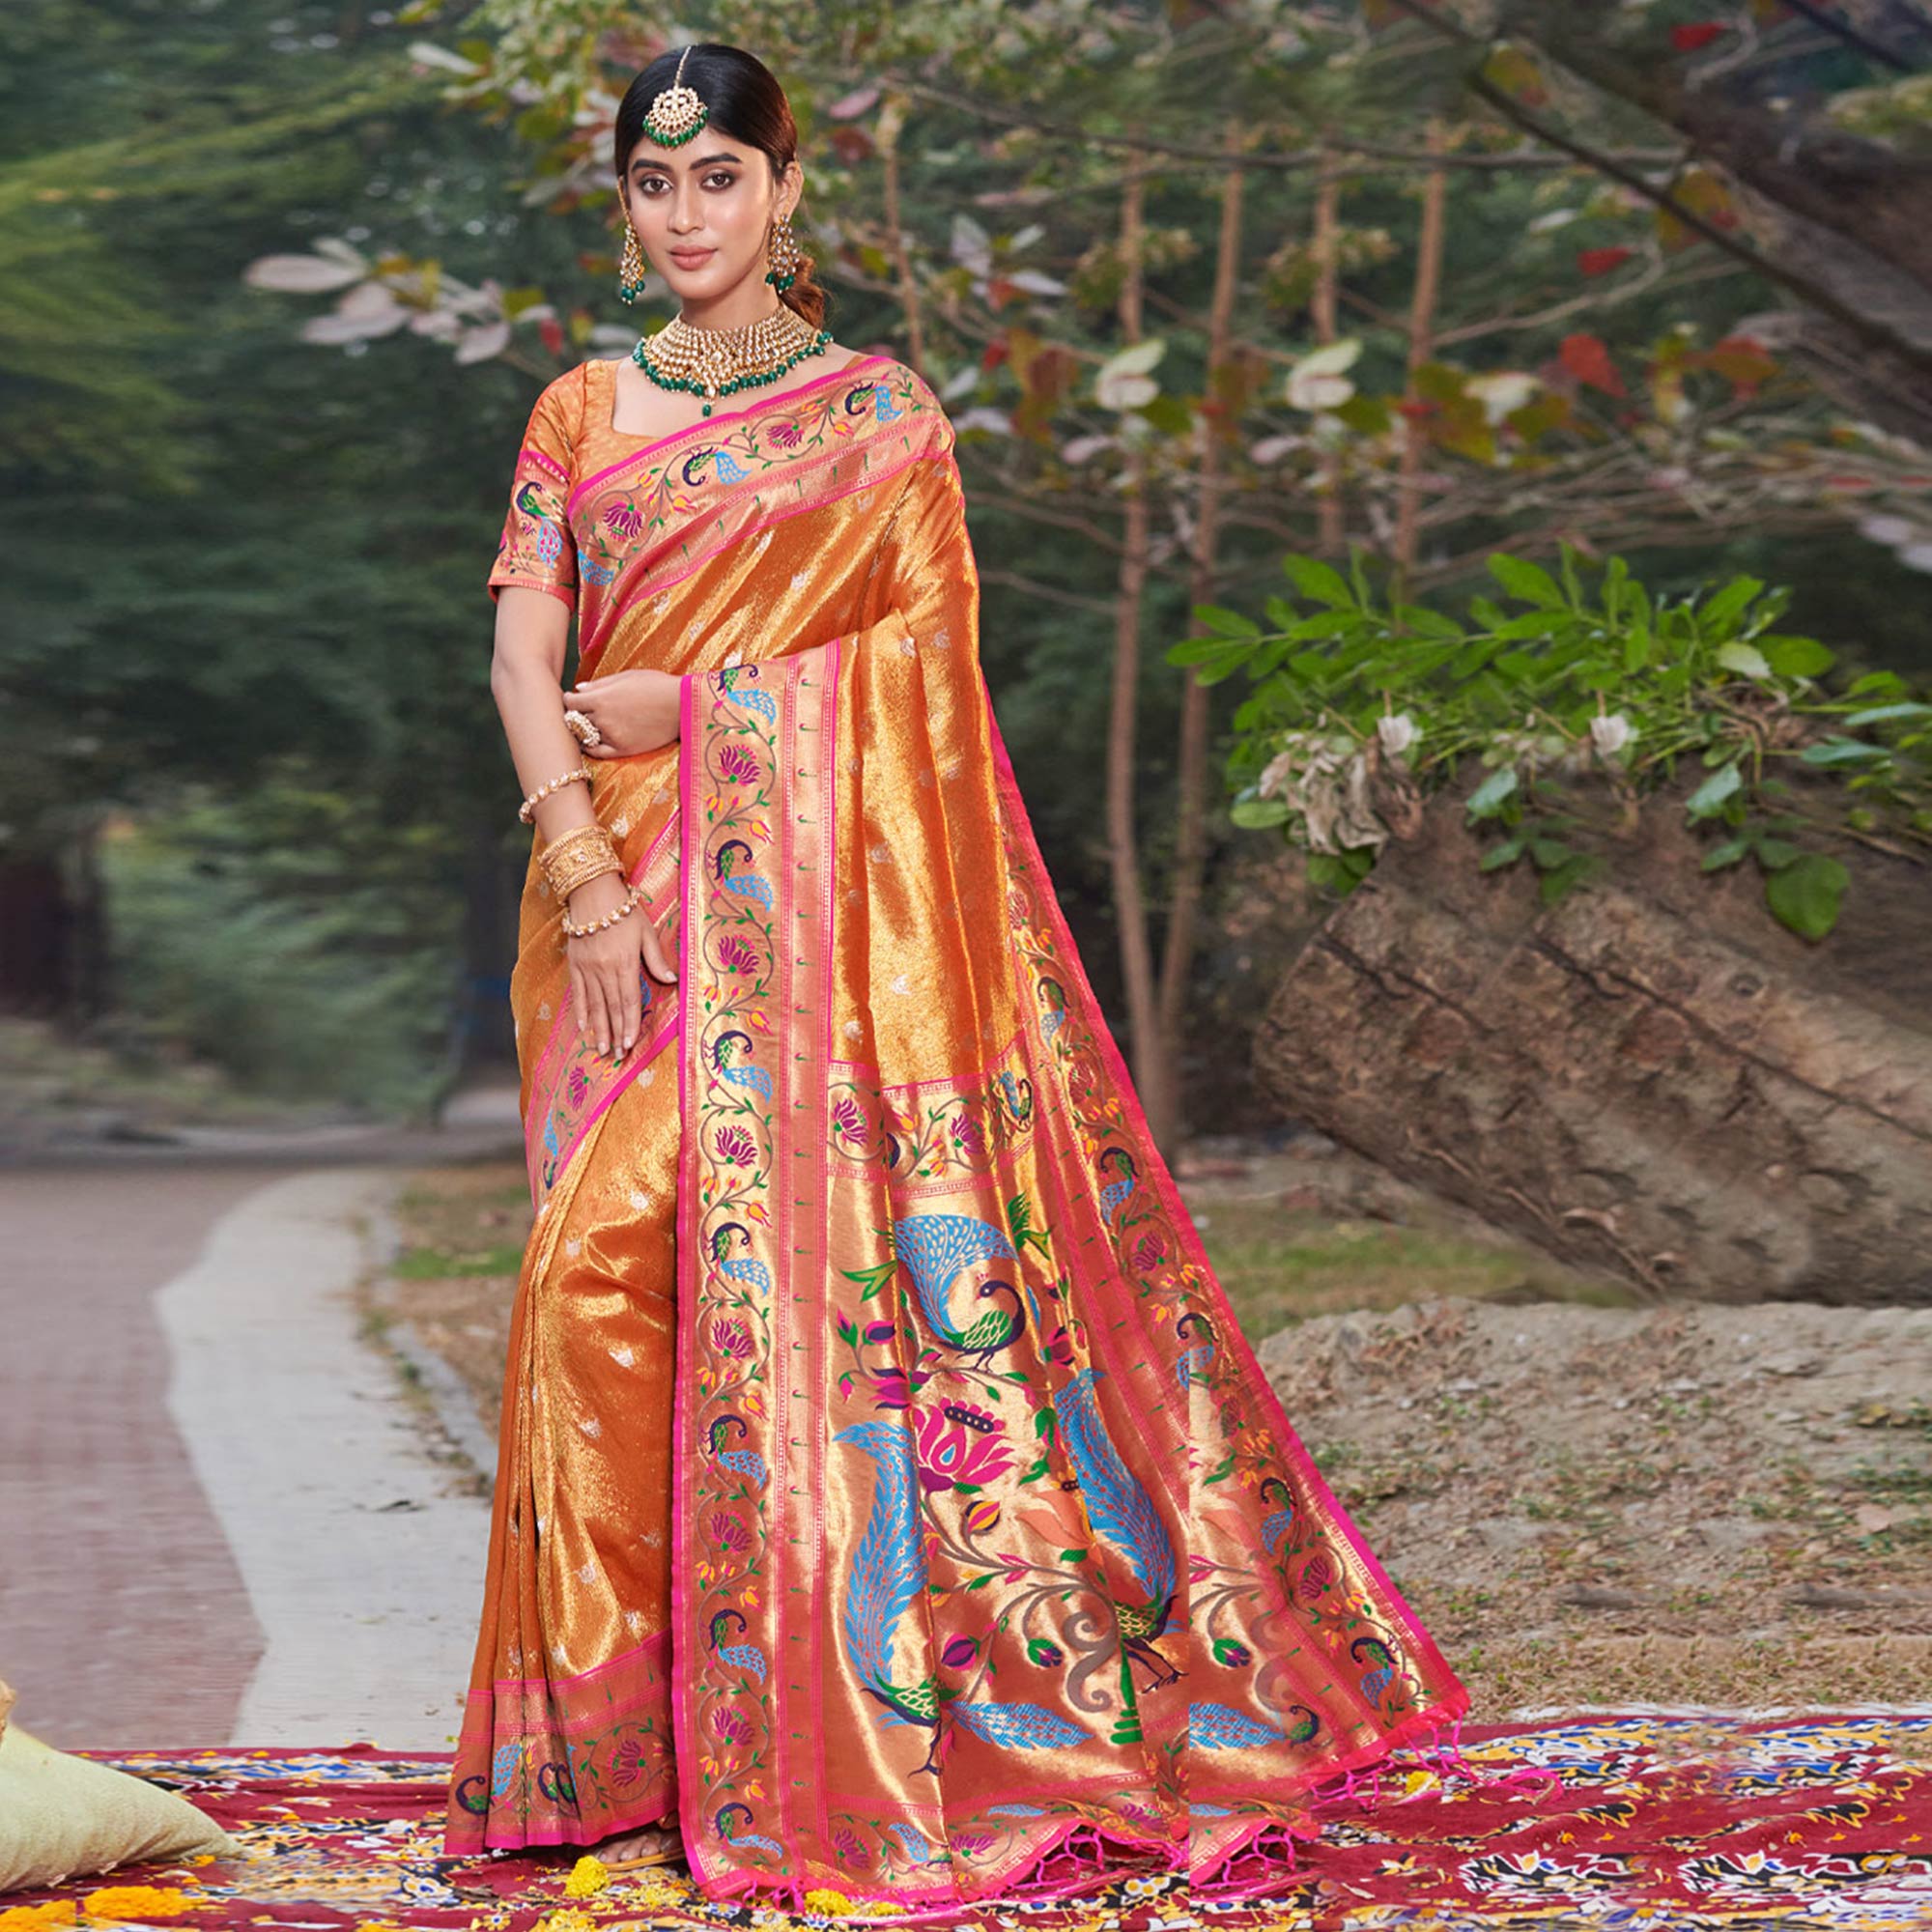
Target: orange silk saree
{"points": [[885, 1488]]}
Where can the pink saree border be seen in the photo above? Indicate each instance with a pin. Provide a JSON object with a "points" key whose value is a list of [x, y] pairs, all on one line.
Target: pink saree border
{"points": [[710, 424], [556, 1051], [591, 655]]}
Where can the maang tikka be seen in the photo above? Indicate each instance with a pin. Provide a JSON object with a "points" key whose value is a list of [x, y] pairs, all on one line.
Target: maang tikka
{"points": [[678, 115]]}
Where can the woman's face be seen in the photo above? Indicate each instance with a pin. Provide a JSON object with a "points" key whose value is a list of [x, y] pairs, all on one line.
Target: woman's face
{"points": [[703, 210]]}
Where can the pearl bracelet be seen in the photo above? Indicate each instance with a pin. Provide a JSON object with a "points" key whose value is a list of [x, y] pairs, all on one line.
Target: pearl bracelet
{"points": [[543, 791], [634, 899]]}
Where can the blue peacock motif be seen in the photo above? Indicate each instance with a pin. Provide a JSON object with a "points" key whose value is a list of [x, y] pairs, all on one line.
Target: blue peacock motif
{"points": [[1278, 1522], [732, 854], [888, 1575], [738, 1268], [1120, 1510], [746, 1656], [740, 1072], [739, 683], [1113, 1195], [936, 1249], [1192, 1364], [745, 1462]]}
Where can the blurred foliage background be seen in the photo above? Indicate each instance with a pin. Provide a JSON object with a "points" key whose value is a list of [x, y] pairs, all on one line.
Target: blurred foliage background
{"points": [[1201, 285]]}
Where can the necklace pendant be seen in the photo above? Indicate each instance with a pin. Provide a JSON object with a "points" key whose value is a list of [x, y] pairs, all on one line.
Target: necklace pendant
{"points": [[707, 409]]}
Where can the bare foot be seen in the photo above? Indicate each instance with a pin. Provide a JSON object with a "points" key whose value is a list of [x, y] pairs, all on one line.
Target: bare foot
{"points": [[650, 1842]]}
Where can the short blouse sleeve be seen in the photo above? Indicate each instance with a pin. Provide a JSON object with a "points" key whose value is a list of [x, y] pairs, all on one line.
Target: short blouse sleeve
{"points": [[536, 548]]}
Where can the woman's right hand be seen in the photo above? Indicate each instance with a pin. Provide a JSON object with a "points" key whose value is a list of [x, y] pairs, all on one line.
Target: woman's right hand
{"points": [[605, 966]]}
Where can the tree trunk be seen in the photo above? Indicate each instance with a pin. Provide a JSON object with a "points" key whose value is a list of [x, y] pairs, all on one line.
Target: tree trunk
{"points": [[1423, 298], [1652, 1078], [1190, 834], [1122, 846]]}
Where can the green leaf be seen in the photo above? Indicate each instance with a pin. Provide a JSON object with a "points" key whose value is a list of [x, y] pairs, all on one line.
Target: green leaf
{"points": [[1636, 651], [1879, 714], [1842, 751], [1727, 605], [1727, 854], [1526, 582], [1320, 580], [1772, 854], [1710, 796], [1797, 657], [1226, 623], [1493, 793], [1804, 896], [1746, 659], [1252, 813]]}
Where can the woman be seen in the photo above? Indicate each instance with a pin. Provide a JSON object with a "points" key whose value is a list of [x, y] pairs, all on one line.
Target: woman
{"points": [[886, 1495]]}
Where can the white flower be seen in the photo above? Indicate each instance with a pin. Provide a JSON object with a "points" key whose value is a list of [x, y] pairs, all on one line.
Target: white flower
{"points": [[573, 1247], [854, 1031], [1612, 734], [1397, 733], [1275, 774], [640, 1200], [590, 1426], [901, 984], [623, 1356]]}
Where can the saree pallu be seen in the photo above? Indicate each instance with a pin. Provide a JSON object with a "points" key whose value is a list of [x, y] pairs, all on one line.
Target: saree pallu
{"points": [[862, 1317]]}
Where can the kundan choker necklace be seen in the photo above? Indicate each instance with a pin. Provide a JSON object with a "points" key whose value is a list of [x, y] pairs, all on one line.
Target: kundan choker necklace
{"points": [[713, 362]]}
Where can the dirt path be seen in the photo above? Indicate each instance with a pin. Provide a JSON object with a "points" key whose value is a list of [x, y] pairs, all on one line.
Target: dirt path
{"points": [[1681, 1505]]}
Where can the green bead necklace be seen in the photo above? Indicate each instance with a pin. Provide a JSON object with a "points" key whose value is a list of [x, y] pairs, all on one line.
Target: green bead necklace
{"points": [[713, 362]]}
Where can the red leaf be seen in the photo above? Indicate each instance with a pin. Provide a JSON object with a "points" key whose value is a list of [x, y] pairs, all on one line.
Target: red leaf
{"points": [[994, 353], [1688, 40], [1587, 358], [1600, 261], [551, 332]]}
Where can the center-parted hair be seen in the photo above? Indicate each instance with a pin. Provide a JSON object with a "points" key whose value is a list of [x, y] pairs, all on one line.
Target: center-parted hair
{"points": [[743, 102]]}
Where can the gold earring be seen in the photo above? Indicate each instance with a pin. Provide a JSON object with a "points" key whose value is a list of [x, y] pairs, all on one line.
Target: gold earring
{"points": [[632, 268], [782, 253]]}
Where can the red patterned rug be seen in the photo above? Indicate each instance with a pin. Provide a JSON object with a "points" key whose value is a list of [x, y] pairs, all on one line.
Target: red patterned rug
{"points": [[1663, 1822]]}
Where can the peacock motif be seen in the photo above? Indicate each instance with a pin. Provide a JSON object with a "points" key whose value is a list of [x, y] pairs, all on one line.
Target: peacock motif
{"points": [[1053, 1009], [738, 1268], [888, 1572], [1018, 1096], [1221, 1727], [1382, 1660], [732, 853], [740, 1072], [888, 1575], [1278, 1522], [745, 1462], [746, 1656], [1120, 1509], [1190, 1366], [729, 1822], [936, 1249], [1113, 1195], [738, 683]]}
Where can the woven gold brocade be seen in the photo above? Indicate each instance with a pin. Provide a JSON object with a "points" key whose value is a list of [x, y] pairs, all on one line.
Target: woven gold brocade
{"points": [[885, 1485]]}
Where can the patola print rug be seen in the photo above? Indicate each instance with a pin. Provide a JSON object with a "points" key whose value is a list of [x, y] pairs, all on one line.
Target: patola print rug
{"points": [[1660, 1821]]}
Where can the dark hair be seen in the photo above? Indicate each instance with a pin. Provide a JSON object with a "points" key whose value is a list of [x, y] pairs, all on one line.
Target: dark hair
{"points": [[744, 101]]}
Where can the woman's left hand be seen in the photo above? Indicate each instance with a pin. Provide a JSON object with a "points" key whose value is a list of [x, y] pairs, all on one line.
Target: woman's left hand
{"points": [[632, 710]]}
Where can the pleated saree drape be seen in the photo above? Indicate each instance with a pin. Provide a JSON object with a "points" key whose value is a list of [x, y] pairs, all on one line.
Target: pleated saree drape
{"points": [[885, 1488]]}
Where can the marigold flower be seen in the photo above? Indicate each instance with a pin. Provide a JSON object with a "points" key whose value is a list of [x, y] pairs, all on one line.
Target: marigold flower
{"points": [[139, 1901], [56, 1912], [589, 1876]]}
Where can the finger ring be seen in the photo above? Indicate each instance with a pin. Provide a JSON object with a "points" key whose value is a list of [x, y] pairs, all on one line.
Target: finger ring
{"points": [[586, 731]]}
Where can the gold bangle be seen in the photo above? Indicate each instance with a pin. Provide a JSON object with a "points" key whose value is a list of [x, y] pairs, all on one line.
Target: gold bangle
{"points": [[564, 879], [535, 799], [634, 899], [585, 852]]}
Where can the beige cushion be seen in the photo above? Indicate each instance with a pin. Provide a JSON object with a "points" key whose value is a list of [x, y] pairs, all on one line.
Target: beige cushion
{"points": [[64, 1817]]}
